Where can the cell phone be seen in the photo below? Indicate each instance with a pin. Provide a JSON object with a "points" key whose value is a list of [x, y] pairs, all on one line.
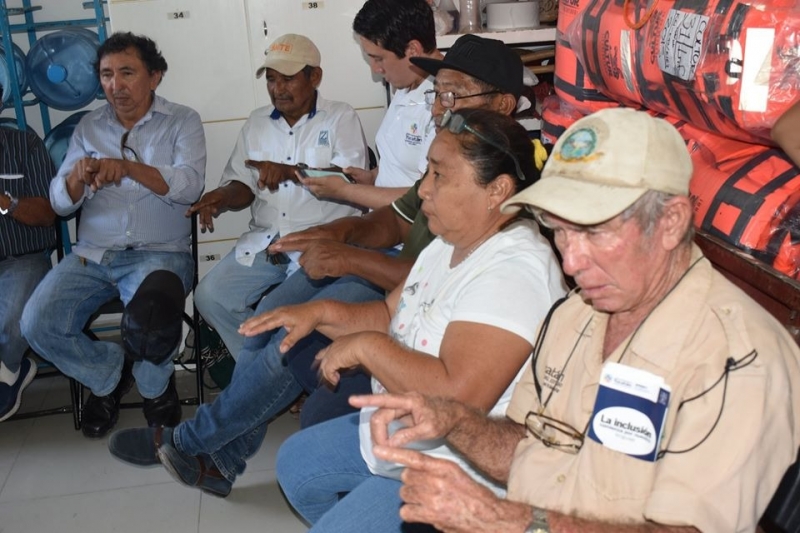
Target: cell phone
{"points": [[317, 173]]}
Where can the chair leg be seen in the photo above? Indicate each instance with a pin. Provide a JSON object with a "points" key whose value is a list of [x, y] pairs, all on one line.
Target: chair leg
{"points": [[76, 394], [198, 356]]}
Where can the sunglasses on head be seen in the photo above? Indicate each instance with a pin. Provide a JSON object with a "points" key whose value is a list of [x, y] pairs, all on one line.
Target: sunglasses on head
{"points": [[455, 123]]}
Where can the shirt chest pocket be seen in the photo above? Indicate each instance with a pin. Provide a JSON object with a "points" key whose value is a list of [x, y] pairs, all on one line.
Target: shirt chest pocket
{"points": [[318, 156], [613, 476]]}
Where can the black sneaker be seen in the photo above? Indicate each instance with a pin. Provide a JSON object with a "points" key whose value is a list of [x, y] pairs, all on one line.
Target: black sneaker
{"points": [[11, 395]]}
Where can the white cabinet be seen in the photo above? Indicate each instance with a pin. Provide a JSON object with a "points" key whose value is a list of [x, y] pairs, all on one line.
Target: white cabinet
{"points": [[206, 46], [346, 75], [213, 48]]}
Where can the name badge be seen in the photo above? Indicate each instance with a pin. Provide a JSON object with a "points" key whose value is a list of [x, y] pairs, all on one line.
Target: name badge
{"points": [[630, 411]]}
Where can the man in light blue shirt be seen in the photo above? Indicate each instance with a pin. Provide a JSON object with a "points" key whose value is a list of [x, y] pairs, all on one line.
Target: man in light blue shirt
{"points": [[133, 167]]}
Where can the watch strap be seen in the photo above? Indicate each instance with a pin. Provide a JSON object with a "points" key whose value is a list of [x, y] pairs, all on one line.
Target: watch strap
{"points": [[539, 523], [12, 205]]}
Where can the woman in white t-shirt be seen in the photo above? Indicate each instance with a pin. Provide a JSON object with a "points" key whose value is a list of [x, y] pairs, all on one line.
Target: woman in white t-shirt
{"points": [[462, 325]]}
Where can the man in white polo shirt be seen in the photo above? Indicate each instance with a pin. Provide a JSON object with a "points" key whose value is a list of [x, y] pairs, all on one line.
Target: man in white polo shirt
{"points": [[300, 129]]}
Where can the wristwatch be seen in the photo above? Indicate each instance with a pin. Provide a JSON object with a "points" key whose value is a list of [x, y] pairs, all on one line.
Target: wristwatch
{"points": [[539, 522], [12, 206]]}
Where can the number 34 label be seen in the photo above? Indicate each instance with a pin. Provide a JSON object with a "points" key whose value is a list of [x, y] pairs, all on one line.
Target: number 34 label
{"points": [[313, 5]]}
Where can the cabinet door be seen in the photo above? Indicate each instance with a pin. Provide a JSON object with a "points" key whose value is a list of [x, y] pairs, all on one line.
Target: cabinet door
{"points": [[205, 43], [346, 75]]}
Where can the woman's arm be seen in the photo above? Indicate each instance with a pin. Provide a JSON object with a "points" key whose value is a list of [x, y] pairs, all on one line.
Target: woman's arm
{"points": [[475, 365]]}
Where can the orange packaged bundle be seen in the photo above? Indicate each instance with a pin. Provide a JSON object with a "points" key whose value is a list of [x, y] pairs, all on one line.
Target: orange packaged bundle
{"points": [[725, 66], [570, 81], [747, 195], [557, 116]]}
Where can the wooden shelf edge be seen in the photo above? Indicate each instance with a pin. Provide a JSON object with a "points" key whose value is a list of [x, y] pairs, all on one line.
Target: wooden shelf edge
{"points": [[542, 34]]}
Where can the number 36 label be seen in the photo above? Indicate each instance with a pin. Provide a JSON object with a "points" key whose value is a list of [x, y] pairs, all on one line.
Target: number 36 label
{"points": [[313, 5]]}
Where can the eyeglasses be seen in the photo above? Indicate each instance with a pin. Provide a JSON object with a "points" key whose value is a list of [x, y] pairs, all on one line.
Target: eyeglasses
{"points": [[448, 99], [457, 124], [554, 433], [128, 153]]}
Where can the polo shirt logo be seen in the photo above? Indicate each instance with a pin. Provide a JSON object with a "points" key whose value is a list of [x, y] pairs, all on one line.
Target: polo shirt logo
{"points": [[324, 138], [413, 137]]}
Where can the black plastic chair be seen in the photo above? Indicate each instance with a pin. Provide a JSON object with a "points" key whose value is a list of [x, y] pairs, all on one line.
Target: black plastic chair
{"points": [[116, 306]]}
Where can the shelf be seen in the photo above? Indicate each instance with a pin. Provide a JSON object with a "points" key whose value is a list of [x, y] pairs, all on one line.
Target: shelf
{"points": [[534, 35], [31, 28]]}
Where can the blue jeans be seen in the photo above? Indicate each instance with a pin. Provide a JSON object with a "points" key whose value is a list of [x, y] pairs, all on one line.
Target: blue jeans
{"points": [[19, 276], [226, 295], [54, 317], [232, 427], [324, 477]]}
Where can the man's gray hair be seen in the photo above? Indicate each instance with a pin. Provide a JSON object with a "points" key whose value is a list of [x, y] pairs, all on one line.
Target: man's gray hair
{"points": [[649, 209]]}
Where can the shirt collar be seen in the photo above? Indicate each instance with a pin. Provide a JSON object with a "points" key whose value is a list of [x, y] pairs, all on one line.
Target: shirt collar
{"points": [[275, 115], [159, 105]]}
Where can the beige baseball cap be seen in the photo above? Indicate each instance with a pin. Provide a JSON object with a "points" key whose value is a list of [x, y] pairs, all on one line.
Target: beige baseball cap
{"points": [[289, 54], [606, 161]]}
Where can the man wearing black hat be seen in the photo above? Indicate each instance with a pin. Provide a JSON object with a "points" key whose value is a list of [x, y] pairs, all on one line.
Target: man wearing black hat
{"points": [[475, 73], [352, 242]]}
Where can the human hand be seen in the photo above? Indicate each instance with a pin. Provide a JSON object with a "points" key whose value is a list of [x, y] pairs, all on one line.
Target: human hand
{"points": [[342, 354], [322, 259], [324, 187], [300, 240], [362, 176], [270, 174], [423, 418], [209, 206], [80, 173], [438, 492], [297, 320], [100, 173]]}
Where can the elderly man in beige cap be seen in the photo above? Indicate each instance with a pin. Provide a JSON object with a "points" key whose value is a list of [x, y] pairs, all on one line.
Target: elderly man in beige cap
{"points": [[659, 397]]}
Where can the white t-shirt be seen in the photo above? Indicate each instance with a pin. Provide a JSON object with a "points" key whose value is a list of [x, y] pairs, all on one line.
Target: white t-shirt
{"points": [[404, 137], [509, 282], [330, 135]]}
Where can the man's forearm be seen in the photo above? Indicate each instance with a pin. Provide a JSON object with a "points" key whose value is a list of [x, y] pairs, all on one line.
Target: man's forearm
{"points": [[376, 267], [505, 516], [381, 228], [560, 523], [370, 196], [236, 196], [488, 443], [34, 211], [148, 176]]}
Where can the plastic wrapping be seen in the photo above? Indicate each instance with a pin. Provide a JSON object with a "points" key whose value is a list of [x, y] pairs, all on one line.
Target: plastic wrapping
{"points": [[570, 81], [747, 195], [557, 116], [725, 66]]}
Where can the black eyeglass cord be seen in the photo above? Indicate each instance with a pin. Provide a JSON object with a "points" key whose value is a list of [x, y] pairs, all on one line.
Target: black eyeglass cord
{"points": [[731, 365]]}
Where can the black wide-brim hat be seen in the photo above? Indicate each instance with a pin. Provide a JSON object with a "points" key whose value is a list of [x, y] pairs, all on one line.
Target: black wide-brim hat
{"points": [[488, 60]]}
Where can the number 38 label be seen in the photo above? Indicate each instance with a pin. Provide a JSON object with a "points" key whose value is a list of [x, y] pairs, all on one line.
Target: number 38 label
{"points": [[313, 5]]}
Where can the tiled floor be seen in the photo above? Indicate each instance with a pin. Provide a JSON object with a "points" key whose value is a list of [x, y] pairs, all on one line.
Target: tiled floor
{"points": [[52, 479]]}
